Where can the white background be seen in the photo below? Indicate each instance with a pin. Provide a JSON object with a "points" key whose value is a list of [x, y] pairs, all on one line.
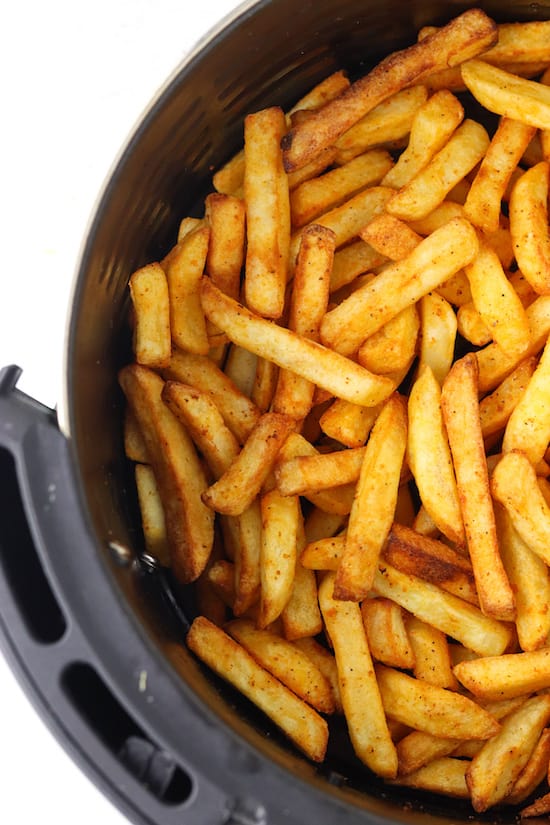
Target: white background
{"points": [[75, 78]]}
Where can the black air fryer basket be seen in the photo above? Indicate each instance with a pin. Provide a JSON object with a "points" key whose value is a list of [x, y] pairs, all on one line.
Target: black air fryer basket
{"points": [[86, 619]]}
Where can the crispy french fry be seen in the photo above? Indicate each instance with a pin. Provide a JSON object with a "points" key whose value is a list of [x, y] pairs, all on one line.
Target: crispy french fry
{"points": [[353, 260], [390, 236], [178, 472], [432, 661], [495, 769], [386, 633], [240, 483], [431, 560], [528, 428], [184, 266], [240, 367], [508, 95], [506, 676], [188, 225], [323, 553], [267, 213], [309, 301], [438, 328], [392, 349], [460, 407], [350, 424], [514, 484], [495, 409], [286, 662], [430, 186], [326, 663], [444, 775], [455, 617], [305, 727], [152, 514], [243, 536], [433, 709], [149, 293], [419, 748], [374, 504], [429, 457], [533, 773], [472, 327], [403, 283], [318, 364], [280, 522], [318, 472], [359, 691], [134, 446], [483, 203], [464, 37], [301, 616], [529, 225], [226, 218], [540, 807], [265, 384]]}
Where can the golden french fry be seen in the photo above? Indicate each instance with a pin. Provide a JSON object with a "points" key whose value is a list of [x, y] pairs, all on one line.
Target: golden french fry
{"points": [[374, 504], [505, 676], [472, 327], [403, 283], [184, 266], [188, 225], [240, 367], [433, 125], [493, 772], [284, 661], [431, 560], [280, 522], [243, 535], [393, 348], [134, 446], [322, 471], [461, 621], [390, 121], [240, 483], [533, 773], [300, 722], [238, 411], [226, 218], [149, 293], [326, 663], [529, 225], [514, 484], [265, 384], [327, 369], [323, 553], [438, 328], [495, 409], [317, 195], [301, 616], [419, 748], [483, 203], [508, 95], [460, 407], [386, 633], [359, 691], [309, 301], [352, 260], [390, 236], [267, 213], [430, 186], [178, 472], [350, 424], [540, 807], [152, 514], [413, 702], [432, 660], [467, 35], [429, 457], [444, 775], [528, 428]]}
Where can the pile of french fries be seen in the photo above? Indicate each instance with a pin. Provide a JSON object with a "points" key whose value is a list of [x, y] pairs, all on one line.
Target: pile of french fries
{"points": [[339, 411]]}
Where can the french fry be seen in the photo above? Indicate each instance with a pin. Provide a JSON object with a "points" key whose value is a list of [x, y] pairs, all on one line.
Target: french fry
{"points": [[149, 292], [265, 384], [403, 283], [243, 536], [438, 328], [326, 663], [390, 236], [238, 411], [444, 775], [188, 225], [317, 195], [353, 260], [318, 364], [389, 121], [359, 691], [432, 661], [240, 367], [483, 203], [467, 35], [267, 213], [429, 457], [184, 266], [322, 471], [460, 407], [374, 503], [419, 748], [350, 424], [226, 218], [514, 484], [461, 621], [431, 560], [319, 523], [432, 709], [540, 807], [430, 186], [309, 301], [505, 676], [528, 428], [134, 446], [284, 661], [529, 225], [495, 409], [472, 327], [494, 771], [533, 773], [178, 472], [280, 523], [433, 125], [386, 633], [301, 616], [323, 553], [392, 349], [305, 727], [152, 514], [508, 95], [240, 483]]}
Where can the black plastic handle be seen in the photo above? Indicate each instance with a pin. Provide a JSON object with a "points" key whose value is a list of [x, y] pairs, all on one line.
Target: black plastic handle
{"points": [[55, 655]]}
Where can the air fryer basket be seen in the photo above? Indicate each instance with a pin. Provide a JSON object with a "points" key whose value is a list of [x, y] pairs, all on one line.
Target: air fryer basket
{"points": [[87, 622]]}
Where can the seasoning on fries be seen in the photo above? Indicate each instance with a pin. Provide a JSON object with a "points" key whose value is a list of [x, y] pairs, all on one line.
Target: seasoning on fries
{"points": [[340, 416]]}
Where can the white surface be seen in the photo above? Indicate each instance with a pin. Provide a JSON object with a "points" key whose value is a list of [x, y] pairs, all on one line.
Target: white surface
{"points": [[75, 78]]}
